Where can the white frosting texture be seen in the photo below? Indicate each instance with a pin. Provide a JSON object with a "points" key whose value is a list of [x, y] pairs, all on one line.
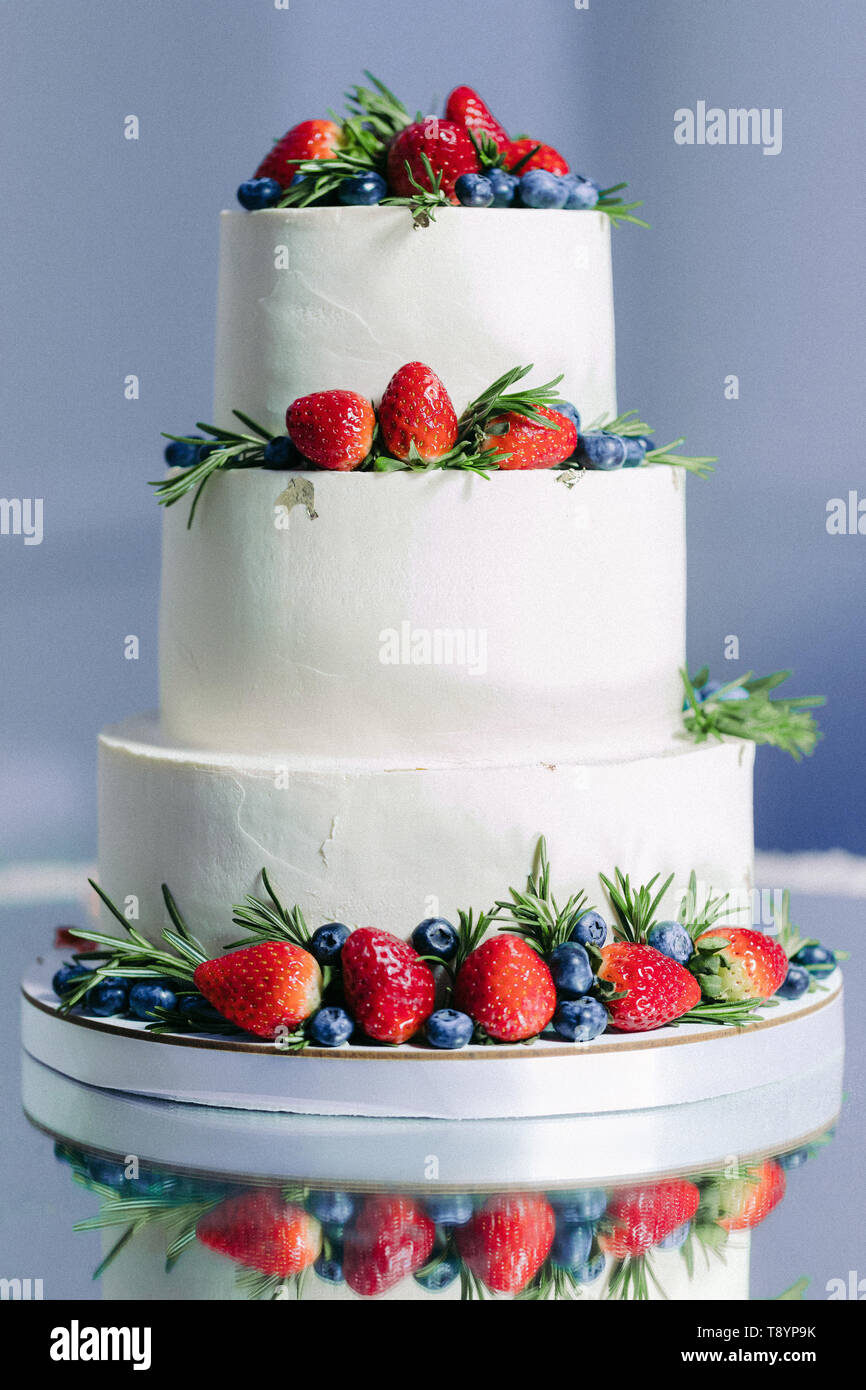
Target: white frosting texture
{"points": [[318, 298], [427, 619], [369, 846]]}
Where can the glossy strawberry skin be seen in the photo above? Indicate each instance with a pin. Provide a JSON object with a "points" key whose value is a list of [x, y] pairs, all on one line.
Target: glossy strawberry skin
{"points": [[417, 410], [466, 108], [260, 1231], [507, 1241], [530, 445], [445, 143], [507, 988], [309, 140], [263, 987], [658, 990], [749, 1200], [389, 1240], [754, 964], [642, 1216], [333, 429], [546, 157], [389, 989]]}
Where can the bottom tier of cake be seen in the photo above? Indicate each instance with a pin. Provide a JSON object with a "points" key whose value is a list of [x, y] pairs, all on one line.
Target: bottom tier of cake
{"points": [[368, 845]]}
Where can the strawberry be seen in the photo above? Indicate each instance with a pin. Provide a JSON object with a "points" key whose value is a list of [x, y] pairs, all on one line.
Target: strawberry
{"points": [[507, 1241], [658, 989], [735, 963], [309, 140], [389, 1240], [332, 428], [260, 1231], [264, 987], [642, 1216], [448, 148], [530, 445], [545, 157], [747, 1201], [390, 990], [416, 412], [507, 988], [466, 108]]}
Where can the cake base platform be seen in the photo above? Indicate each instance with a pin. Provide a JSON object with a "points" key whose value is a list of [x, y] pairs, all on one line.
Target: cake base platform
{"points": [[616, 1072]]}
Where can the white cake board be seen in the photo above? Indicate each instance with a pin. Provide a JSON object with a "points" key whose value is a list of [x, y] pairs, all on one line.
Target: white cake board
{"points": [[671, 1066]]}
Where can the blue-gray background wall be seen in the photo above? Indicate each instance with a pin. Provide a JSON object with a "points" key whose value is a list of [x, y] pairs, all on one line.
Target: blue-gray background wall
{"points": [[108, 267]]}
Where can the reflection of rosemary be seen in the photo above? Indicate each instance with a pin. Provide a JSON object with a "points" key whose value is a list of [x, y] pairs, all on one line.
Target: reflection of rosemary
{"points": [[786, 724]]}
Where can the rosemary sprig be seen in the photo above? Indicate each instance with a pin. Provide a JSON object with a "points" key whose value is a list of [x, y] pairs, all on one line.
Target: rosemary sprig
{"points": [[233, 451], [426, 199], [700, 919], [269, 919], [470, 933], [725, 1012], [785, 723], [617, 210], [535, 914], [635, 908]]}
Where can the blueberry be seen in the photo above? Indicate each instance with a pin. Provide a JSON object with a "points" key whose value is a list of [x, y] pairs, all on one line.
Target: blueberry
{"points": [[327, 942], [474, 190], [435, 937], [146, 996], [590, 929], [580, 1020], [795, 983], [672, 939], [582, 193], [504, 187], [259, 193], [635, 451], [818, 960], [571, 970], [571, 1246], [541, 189], [362, 190], [280, 453], [203, 451], [331, 1027], [592, 1270], [439, 1276], [448, 1028], [601, 450], [449, 1208], [582, 1207], [179, 454], [200, 1010], [334, 1208], [569, 410], [644, 439], [66, 978], [329, 1268], [677, 1238], [110, 996]]}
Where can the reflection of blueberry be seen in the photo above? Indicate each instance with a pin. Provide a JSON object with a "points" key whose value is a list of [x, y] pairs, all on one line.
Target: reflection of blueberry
{"points": [[795, 983], [449, 1208], [590, 929], [592, 1270], [795, 1159], [571, 1246], [571, 970], [331, 1027], [819, 960], [672, 939], [440, 1275], [107, 998], [327, 942], [146, 996], [674, 1240], [581, 1206], [448, 1028], [435, 937], [66, 978], [580, 1020], [329, 1268], [107, 1171], [336, 1208]]}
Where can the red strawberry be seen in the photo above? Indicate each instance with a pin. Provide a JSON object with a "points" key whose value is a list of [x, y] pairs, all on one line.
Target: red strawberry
{"points": [[507, 1241], [658, 989], [260, 1231], [465, 107], [507, 988], [747, 1201], [546, 157], [332, 428], [643, 1216], [309, 140], [416, 410], [390, 990], [264, 987], [751, 964], [528, 444], [389, 1240], [446, 145]]}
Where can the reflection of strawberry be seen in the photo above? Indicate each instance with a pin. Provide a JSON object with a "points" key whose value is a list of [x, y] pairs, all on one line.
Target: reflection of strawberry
{"points": [[507, 1240], [530, 445], [658, 989], [262, 988], [332, 428], [416, 410], [390, 990], [747, 965], [545, 157], [446, 145], [465, 107], [390, 1239], [746, 1201], [640, 1217], [309, 140], [507, 988], [260, 1231]]}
